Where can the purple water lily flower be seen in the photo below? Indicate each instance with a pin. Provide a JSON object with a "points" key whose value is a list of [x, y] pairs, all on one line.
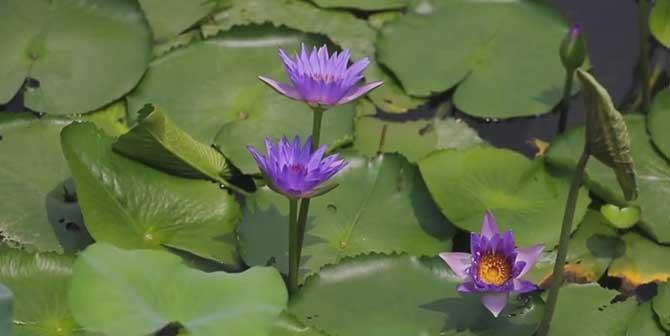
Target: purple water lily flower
{"points": [[294, 170], [495, 266], [320, 79]]}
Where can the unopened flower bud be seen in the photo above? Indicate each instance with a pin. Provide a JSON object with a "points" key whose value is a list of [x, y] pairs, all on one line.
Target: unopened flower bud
{"points": [[573, 48]]}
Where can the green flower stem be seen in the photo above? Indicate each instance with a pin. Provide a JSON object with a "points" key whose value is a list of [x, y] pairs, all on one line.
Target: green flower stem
{"points": [[643, 19], [559, 270], [293, 248], [565, 101]]}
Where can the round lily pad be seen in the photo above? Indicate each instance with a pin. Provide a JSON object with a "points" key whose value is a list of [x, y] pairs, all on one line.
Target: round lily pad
{"points": [[366, 5], [168, 18], [522, 195], [40, 283], [146, 290], [36, 208], [659, 119], [132, 205], [502, 53], [643, 262], [381, 205], [591, 310], [64, 46], [412, 139], [376, 295], [653, 175]]}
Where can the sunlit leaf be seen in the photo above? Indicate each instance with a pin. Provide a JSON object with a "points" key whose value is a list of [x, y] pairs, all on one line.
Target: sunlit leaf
{"points": [[643, 262], [659, 22]]}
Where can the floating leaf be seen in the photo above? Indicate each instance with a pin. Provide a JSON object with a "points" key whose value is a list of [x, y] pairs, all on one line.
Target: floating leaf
{"points": [[500, 75], [607, 135], [134, 206], [643, 262], [591, 310], [380, 205], [653, 175], [413, 139], [378, 295], [644, 322], [520, 192], [658, 121], [112, 119], [621, 218], [40, 283], [591, 250], [659, 22], [342, 28], [159, 143], [35, 208], [366, 5], [168, 18], [65, 45], [287, 325], [6, 311], [132, 285], [661, 305]]}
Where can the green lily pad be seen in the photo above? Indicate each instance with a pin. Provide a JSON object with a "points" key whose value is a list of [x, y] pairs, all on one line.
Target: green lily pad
{"points": [[522, 195], [366, 5], [65, 45], [398, 296], [288, 325], [381, 205], [342, 28], [661, 305], [591, 250], [413, 139], [112, 119], [653, 175], [645, 322], [590, 310], [40, 283], [6, 311], [500, 75], [659, 119], [168, 18], [35, 210], [621, 218], [145, 290], [129, 204], [643, 262], [659, 22]]}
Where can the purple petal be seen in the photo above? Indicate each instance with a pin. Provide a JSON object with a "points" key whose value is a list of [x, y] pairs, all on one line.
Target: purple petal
{"points": [[282, 88], [495, 302], [489, 226], [358, 92], [467, 287], [523, 286], [458, 262], [529, 255]]}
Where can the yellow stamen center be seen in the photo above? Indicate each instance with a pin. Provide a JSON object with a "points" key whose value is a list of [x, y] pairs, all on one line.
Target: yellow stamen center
{"points": [[494, 269]]}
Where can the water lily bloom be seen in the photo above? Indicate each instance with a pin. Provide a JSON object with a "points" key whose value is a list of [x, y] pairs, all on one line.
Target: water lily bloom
{"points": [[320, 79], [296, 171], [495, 266]]}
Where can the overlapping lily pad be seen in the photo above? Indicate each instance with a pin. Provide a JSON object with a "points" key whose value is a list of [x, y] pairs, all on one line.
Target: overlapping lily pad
{"points": [[64, 46], [381, 205], [643, 261], [659, 22], [340, 27], [378, 295], [522, 195], [413, 139], [34, 209], [363, 4], [168, 18], [288, 325], [645, 322], [659, 119], [40, 283], [653, 175], [132, 286], [661, 305], [591, 310], [591, 250], [476, 43], [132, 205]]}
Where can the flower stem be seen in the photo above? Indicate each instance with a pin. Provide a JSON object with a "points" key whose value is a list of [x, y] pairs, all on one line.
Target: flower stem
{"points": [[304, 203], [293, 248], [643, 20], [565, 102], [559, 270]]}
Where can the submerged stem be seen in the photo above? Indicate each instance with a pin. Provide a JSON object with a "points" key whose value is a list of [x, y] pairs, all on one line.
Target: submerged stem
{"points": [[293, 248], [559, 270], [565, 101], [643, 20]]}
